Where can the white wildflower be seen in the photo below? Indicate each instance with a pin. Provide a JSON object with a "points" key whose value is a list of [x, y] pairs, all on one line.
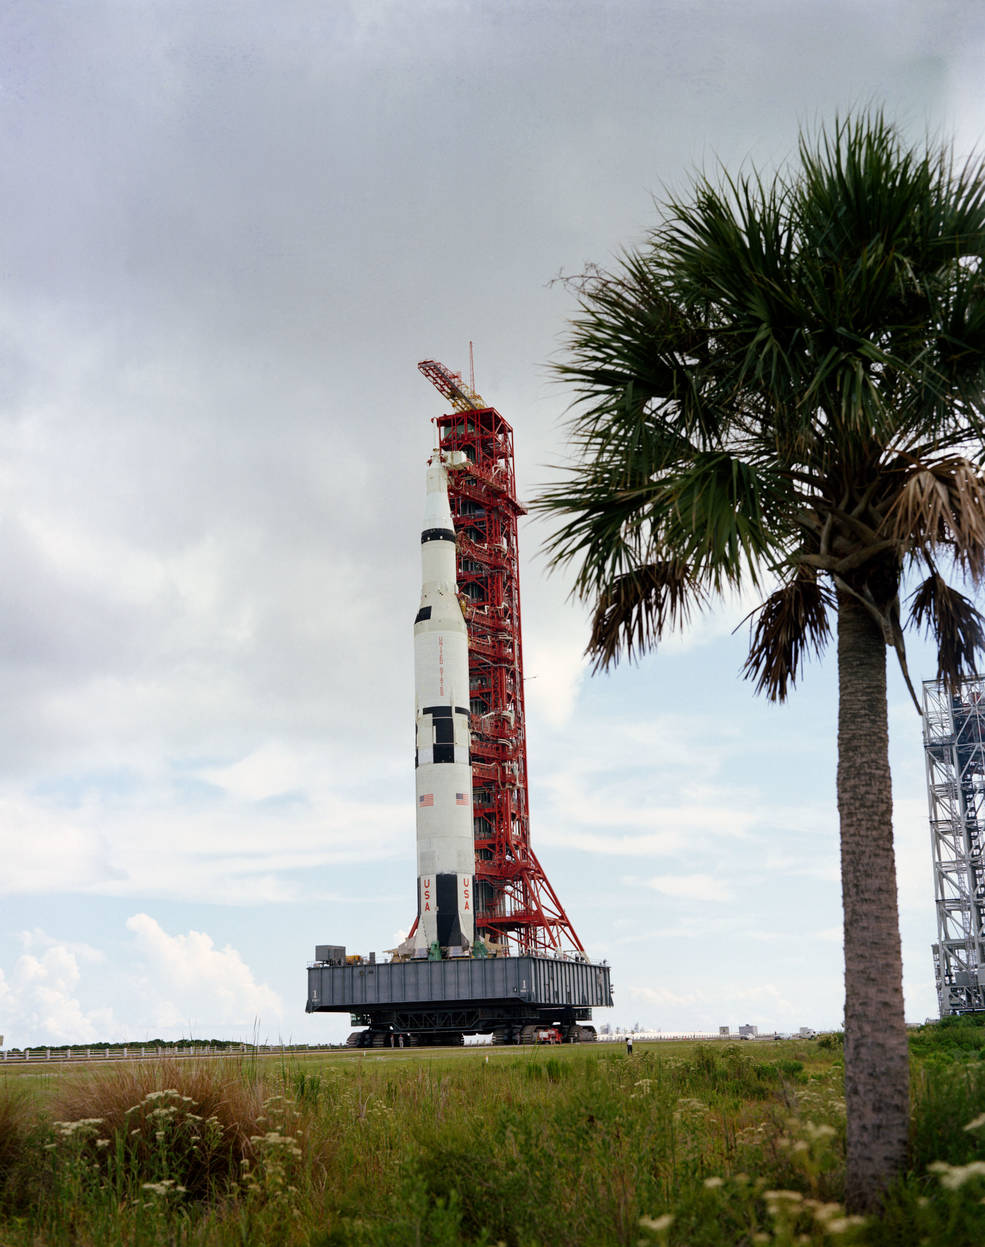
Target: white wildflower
{"points": [[658, 1224], [955, 1176]]}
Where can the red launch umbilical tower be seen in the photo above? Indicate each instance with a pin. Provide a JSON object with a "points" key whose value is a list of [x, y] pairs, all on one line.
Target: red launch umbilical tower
{"points": [[515, 902]]}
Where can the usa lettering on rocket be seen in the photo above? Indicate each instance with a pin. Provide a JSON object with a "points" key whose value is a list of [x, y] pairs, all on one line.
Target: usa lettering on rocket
{"points": [[445, 840]]}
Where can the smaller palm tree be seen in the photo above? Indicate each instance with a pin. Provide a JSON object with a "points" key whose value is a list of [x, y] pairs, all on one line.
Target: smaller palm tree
{"points": [[784, 388]]}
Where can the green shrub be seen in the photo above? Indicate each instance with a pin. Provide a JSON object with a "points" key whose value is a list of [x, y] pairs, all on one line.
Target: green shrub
{"points": [[191, 1123], [952, 1038]]}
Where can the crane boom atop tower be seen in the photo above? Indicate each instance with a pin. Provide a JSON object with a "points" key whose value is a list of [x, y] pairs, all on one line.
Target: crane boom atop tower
{"points": [[461, 396]]}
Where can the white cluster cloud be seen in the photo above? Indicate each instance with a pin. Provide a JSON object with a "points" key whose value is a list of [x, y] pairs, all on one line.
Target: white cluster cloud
{"points": [[39, 1002], [169, 986], [191, 982]]}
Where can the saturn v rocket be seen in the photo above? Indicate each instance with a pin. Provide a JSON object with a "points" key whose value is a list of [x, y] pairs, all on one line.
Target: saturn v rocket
{"points": [[445, 842]]}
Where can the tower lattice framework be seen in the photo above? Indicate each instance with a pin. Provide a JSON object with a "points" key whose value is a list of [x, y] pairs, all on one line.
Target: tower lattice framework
{"points": [[515, 902], [954, 744]]}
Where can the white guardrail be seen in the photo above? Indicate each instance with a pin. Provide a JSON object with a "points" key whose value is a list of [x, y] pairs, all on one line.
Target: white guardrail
{"points": [[141, 1052]]}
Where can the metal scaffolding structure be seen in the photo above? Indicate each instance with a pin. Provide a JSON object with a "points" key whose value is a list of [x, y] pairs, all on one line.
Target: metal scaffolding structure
{"points": [[515, 902], [954, 744]]}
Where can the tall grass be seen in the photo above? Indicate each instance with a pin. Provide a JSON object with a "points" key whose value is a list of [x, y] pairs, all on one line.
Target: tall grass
{"points": [[18, 1125], [704, 1145]]}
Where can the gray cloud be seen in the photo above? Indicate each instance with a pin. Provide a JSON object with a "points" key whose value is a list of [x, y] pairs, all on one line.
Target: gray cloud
{"points": [[227, 234]]}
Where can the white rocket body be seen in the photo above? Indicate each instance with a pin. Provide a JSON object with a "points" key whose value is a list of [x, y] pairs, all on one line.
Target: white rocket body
{"points": [[445, 840]]}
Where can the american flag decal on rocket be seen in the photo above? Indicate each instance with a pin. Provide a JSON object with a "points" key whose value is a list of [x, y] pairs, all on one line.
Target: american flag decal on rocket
{"points": [[460, 798], [426, 798]]}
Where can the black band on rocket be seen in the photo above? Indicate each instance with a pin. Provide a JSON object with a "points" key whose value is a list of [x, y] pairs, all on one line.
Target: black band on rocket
{"points": [[437, 534], [449, 925]]}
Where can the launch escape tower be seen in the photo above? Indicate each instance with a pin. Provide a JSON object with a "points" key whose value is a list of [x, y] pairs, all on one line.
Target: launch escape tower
{"points": [[954, 743], [515, 902]]}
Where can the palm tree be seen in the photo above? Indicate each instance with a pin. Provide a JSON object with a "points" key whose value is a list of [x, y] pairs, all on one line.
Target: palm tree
{"points": [[783, 389]]}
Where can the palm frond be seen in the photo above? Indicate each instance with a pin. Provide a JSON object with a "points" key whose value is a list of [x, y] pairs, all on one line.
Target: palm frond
{"points": [[791, 625], [892, 240], [631, 347], [943, 505], [921, 514], [721, 515], [639, 607], [954, 622], [812, 343], [967, 496]]}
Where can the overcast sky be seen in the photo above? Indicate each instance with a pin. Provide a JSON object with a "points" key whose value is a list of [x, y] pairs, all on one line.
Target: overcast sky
{"points": [[228, 232]]}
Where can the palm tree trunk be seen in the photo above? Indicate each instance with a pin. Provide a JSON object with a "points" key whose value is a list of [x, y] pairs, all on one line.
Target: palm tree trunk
{"points": [[876, 1059]]}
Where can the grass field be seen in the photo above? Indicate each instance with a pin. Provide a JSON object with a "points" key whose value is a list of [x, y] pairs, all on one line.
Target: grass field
{"points": [[680, 1143]]}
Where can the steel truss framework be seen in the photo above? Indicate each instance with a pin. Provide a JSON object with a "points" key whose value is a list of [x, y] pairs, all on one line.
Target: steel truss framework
{"points": [[954, 744], [514, 898], [515, 902], [468, 1019]]}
